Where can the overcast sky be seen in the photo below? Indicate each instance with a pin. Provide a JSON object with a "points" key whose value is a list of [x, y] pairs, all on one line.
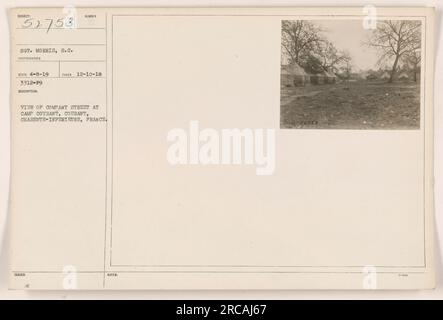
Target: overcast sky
{"points": [[349, 35]]}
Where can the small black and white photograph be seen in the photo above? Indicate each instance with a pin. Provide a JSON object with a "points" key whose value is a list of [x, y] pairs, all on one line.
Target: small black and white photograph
{"points": [[341, 74]]}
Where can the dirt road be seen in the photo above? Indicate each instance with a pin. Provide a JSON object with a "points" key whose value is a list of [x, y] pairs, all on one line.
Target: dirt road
{"points": [[353, 105]]}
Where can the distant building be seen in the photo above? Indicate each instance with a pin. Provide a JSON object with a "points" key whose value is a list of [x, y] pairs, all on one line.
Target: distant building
{"points": [[372, 76], [385, 76], [324, 77], [317, 78], [330, 77], [293, 75], [403, 76], [416, 74]]}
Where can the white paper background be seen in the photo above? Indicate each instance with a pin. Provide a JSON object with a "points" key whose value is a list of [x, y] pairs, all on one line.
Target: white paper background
{"points": [[4, 163]]}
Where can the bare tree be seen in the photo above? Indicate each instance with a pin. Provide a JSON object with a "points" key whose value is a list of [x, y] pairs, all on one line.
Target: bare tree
{"points": [[413, 59], [346, 70], [395, 39], [299, 39], [331, 58]]}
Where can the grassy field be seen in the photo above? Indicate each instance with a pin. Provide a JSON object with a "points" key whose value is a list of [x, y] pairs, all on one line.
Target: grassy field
{"points": [[351, 105]]}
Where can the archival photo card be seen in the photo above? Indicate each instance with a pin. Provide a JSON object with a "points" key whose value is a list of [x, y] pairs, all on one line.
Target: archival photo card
{"points": [[157, 148]]}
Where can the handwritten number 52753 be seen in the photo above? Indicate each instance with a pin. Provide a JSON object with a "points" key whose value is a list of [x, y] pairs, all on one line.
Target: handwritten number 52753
{"points": [[48, 24]]}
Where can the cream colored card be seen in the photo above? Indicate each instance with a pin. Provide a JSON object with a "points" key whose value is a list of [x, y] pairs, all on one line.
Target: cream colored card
{"points": [[222, 148]]}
